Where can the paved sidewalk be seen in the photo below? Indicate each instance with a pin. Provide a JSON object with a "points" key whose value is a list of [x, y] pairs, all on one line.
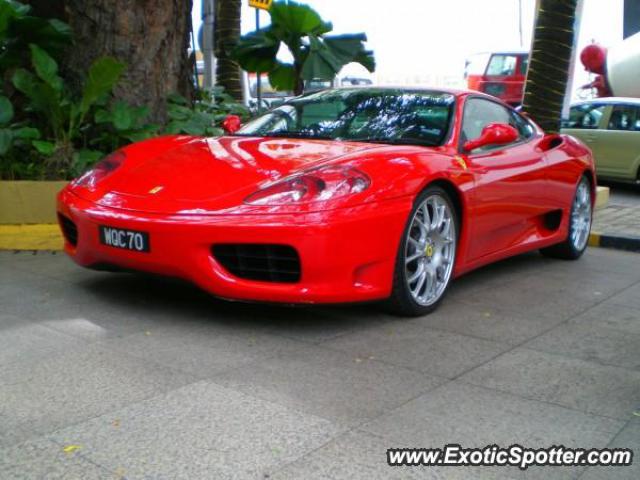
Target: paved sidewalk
{"points": [[118, 376], [618, 224], [619, 220]]}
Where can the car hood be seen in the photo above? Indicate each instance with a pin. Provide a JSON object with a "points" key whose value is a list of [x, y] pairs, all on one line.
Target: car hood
{"points": [[184, 175]]}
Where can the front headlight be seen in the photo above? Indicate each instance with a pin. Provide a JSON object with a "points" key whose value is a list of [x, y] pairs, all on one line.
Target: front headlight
{"points": [[100, 170], [316, 185]]}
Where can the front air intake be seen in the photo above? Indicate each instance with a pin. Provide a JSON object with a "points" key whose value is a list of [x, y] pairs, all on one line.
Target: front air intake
{"points": [[261, 262], [69, 229]]}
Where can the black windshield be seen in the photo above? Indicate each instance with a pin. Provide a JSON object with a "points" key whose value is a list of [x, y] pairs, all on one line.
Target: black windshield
{"points": [[367, 115]]}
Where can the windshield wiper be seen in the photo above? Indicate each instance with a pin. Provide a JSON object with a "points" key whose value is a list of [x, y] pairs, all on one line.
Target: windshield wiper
{"points": [[297, 135]]}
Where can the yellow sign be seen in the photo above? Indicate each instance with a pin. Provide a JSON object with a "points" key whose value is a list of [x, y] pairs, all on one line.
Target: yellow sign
{"points": [[263, 4]]}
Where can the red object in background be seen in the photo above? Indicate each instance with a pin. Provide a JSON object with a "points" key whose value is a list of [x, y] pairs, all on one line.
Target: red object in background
{"points": [[191, 200], [232, 124], [500, 74], [617, 67], [600, 86], [594, 58]]}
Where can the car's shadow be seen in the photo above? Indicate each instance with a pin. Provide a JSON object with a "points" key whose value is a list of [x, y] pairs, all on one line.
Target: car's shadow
{"points": [[161, 300], [158, 300]]}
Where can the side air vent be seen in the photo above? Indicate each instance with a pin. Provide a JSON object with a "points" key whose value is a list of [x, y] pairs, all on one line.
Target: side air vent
{"points": [[549, 142], [69, 229], [261, 262]]}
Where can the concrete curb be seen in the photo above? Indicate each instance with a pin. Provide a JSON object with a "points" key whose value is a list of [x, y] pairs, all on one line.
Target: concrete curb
{"points": [[627, 243], [30, 237]]}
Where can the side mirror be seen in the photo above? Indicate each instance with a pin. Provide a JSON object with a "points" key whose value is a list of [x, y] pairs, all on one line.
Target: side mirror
{"points": [[493, 134], [231, 124]]}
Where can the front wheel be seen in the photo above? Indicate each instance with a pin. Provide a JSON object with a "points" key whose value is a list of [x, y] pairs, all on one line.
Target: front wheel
{"points": [[579, 225], [426, 255]]}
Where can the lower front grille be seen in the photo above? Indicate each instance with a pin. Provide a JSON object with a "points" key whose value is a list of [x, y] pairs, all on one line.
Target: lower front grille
{"points": [[262, 262], [69, 229]]}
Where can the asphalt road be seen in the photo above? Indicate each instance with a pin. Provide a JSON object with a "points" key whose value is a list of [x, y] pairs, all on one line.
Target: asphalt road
{"points": [[121, 376]]}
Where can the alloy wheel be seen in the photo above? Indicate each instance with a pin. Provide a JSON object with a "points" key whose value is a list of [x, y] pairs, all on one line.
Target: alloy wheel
{"points": [[430, 250], [581, 216]]}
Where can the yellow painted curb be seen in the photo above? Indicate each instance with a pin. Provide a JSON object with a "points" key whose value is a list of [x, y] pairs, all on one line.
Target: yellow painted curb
{"points": [[30, 237], [594, 240]]}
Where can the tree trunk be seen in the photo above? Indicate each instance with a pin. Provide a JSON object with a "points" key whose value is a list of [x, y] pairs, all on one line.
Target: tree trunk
{"points": [[550, 61], [226, 37], [151, 36]]}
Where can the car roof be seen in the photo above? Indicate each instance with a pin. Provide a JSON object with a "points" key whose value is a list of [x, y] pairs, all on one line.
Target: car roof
{"points": [[502, 52], [609, 101], [452, 91]]}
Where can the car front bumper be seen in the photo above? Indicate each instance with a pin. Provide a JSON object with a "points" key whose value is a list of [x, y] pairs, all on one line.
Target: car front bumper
{"points": [[346, 255]]}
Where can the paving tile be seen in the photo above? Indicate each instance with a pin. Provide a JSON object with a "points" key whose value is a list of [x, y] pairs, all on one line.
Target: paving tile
{"points": [[202, 350], [343, 388], [488, 322], [410, 344], [576, 384], [629, 298], [12, 431], [72, 386], [621, 220], [553, 296], [45, 460], [591, 342], [472, 416], [25, 341], [607, 261], [611, 316], [200, 431], [312, 324], [358, 455], [629, 437], [32, 296]]}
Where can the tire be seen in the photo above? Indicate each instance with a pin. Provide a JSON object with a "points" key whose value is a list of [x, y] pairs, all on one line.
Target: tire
{"points": [[438, 236], [580, 221]]}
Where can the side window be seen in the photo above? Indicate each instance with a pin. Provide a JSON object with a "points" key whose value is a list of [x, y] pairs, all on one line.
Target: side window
{"points": [[585, 116], [502, 65], [478, 113], [316, 113], [524, 64], [625, 117], [524, 127]]}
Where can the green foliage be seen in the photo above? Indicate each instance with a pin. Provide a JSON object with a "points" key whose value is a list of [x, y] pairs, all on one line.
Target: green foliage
{"points": [[49, 130], [121, 123], [206, 115], [315, 54], [18, 29], [61, 114], [103, 75], [13, 135]]}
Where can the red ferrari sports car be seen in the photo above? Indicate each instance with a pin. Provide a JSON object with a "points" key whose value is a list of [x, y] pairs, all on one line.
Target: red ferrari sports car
{"points": [[345, 195]]}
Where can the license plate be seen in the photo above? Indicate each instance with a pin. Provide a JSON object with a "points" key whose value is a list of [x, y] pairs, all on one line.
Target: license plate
{"points": [[125, 239]]}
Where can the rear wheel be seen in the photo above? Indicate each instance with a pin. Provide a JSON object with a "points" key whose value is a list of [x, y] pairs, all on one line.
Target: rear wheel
{"points": [[579, 225], [426, 255]]}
